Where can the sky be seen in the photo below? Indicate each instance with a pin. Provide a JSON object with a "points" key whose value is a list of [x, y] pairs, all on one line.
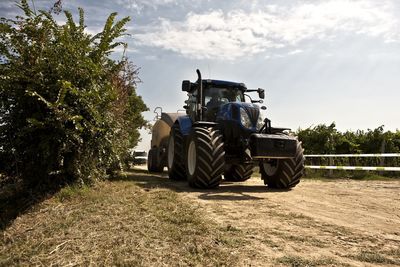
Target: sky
{"points": [[320, 61]]}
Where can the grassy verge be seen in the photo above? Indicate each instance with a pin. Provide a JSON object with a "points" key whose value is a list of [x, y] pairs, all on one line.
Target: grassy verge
{"points": [[291, 260], [375, 257], [117, 223]]}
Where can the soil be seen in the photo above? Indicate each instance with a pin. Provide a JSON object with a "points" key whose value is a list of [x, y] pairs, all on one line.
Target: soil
{"points": [[319, 222], [143, 219]]}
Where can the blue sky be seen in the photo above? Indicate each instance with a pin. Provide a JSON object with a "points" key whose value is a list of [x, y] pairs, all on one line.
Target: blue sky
{"points": [[319, 61]]}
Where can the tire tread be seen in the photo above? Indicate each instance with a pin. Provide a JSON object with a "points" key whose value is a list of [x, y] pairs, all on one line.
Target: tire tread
{"points": [[210, 157], [289, 171]]}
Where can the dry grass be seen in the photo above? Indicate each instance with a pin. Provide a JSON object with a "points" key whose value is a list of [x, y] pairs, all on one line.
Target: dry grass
{"points": [[297, 261], [147, 220], [375, 257], [117, 223]]}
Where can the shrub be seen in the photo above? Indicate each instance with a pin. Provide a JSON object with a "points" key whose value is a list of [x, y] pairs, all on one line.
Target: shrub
{"points": [[66, 106]]}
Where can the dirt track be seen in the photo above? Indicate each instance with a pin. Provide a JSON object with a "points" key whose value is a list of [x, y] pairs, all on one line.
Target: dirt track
{"points": [[142, 219], [342, 222]]}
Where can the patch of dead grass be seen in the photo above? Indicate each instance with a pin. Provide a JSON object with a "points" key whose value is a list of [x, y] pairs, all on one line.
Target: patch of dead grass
{"points": [[297, 261], [376, 257], [117, 223]]}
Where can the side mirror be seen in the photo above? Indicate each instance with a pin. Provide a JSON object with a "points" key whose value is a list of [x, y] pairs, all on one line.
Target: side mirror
{"points": [[263, 107], [261, 93], [186, 86]]}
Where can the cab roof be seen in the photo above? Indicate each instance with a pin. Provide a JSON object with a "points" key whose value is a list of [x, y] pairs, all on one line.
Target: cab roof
{"points": [[221, 83]]}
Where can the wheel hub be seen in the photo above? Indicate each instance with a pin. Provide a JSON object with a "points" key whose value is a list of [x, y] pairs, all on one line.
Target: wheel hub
{"points": [[171, 151], [270, 169], [191, 157]]}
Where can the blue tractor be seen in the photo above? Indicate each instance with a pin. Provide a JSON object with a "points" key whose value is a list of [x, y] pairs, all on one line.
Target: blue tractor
{"points": [[222, 136]]}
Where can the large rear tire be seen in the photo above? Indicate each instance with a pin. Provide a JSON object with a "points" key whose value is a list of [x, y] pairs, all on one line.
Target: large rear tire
{"points": [[175, 162], [205, 157], [150, 160], [154, 163], [283, 173], [238, 172]]}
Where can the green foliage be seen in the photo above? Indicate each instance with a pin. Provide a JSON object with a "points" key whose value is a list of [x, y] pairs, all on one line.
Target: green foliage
{"points": [[320, 138], [323, 139], [66, 107]]}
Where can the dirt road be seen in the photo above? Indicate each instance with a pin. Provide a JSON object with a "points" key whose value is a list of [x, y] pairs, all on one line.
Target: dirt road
{"points": [[341, 222], [143, 219]]}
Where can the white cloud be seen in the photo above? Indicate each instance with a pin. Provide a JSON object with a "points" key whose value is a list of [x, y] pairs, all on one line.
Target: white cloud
{"points": [[93, 30], [139, 5], [295, 52], [237, 33]]}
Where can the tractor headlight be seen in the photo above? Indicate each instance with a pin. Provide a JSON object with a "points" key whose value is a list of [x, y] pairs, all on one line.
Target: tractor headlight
{"points": [[245, 119], [260, 122]]}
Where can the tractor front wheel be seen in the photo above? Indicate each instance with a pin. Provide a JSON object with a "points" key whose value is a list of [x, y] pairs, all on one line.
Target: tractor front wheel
{"points": [[283, 173], [205, 157]]}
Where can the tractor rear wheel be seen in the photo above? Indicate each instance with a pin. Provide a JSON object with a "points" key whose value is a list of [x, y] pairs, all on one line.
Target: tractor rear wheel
{"points": [[283, 173], [176, 165], [154, 163], [238, 172], [150, 160], [205, 157]]}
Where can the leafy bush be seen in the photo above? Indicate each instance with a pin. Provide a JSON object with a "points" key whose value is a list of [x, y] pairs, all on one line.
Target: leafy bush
{"points": [[66, 106], [323, 139]]}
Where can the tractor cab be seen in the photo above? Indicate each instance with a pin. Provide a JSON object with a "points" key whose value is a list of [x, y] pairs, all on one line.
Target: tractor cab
{"points": [[216, 97], [207, 97]]}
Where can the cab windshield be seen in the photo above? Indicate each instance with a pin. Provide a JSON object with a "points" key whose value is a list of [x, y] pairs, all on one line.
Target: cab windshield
{"points": [[214, 98], [223, 95]]}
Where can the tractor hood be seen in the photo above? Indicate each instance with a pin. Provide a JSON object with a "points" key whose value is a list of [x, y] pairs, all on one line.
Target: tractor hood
{"points": [[247, 115]]}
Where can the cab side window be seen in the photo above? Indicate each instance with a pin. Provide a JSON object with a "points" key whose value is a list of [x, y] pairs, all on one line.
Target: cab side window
{"points": [[192, 103]]}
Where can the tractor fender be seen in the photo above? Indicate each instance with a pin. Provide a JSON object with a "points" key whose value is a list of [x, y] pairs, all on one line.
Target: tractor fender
{"points": [[185, 124]]}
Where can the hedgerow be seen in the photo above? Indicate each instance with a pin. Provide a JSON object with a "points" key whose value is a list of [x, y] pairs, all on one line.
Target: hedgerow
{"points": [[67, 107]]}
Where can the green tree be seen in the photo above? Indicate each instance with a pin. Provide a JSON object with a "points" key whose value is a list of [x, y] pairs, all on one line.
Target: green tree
{"points": [[320, 139], [66, 107], [323, 139]]}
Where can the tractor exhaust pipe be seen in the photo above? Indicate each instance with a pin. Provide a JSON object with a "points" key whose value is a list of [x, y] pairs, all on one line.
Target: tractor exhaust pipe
{"points": [[200, 81]]}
